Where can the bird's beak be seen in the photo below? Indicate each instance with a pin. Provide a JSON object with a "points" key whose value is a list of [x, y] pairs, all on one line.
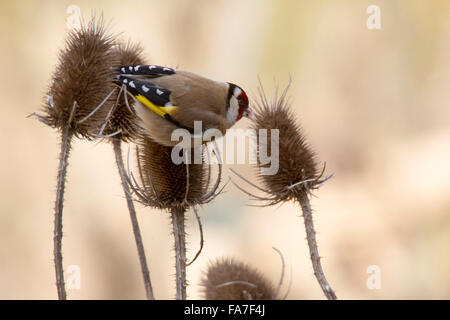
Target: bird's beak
{"points": [[249, 114]]}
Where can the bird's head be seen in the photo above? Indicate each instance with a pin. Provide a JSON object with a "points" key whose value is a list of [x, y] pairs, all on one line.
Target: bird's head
{"points": [[237, 106]]}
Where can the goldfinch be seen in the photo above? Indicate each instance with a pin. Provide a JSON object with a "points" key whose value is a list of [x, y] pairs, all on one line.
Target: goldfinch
{"points": [[167, 99]]}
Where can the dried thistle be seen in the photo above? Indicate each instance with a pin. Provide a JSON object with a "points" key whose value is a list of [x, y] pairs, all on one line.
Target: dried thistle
{"points": [[122, 124], [173, 187], [166, 185], [81, 85], [298, 173], [82, 82], [227, 279]]}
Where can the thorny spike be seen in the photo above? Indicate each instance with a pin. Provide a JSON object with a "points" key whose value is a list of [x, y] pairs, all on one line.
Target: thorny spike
{"points": [[212, 193], [187, 180], [107, 117], [275, 199], [97, 108], [277, 291], [136, 188], [134, 184], [248, 181], [229, 283], [153, 187], [209, 168], [72, 112], [158, 201], [201, 236], [290, 283], [264, 205], [125, 95], [262, 93], [38, 118], [111, 134], [301, 182], [255, 197]]}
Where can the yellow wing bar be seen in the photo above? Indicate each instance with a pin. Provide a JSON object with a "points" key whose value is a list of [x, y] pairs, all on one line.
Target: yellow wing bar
{"points": [[159, 110]]}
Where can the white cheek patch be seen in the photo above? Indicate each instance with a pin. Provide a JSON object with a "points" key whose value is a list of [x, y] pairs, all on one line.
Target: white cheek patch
{"points": [[236, 92], [233, 110]]}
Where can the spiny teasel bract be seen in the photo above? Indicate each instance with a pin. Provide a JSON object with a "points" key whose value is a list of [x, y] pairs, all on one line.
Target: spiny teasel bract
{"points": [[123, 121], [228, 279], [298, 171], [82, 81]]}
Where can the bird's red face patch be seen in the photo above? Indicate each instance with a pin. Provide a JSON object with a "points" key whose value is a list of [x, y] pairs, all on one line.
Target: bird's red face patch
{"points": [[243, 104]]}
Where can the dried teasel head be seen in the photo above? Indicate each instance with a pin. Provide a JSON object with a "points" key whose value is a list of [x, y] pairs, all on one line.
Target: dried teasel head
{"points": [[298, 171], [82, 82], [227, 279], [167, 185], [123, 121], [129, 53]]}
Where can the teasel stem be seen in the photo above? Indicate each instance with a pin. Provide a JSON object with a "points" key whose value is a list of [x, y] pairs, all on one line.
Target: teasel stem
{"points": [[313, 250], [180, 250], [66, 140], [134, 222]]}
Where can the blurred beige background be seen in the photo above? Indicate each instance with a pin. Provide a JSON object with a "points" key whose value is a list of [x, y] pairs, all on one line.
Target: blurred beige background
{"points": [[374, 105]]}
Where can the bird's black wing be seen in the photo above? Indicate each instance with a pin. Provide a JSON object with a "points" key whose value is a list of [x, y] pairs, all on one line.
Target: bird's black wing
{"points": [[159, 97], [150, 71], [155, 98]]}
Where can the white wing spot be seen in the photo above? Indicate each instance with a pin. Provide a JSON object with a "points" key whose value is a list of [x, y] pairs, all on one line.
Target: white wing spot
{"points": [[125, 80], [167, 69], [132, 84], [145, 88], [159, 92], [130, 68], [151, 67], [136, 68], [123, 69]]}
